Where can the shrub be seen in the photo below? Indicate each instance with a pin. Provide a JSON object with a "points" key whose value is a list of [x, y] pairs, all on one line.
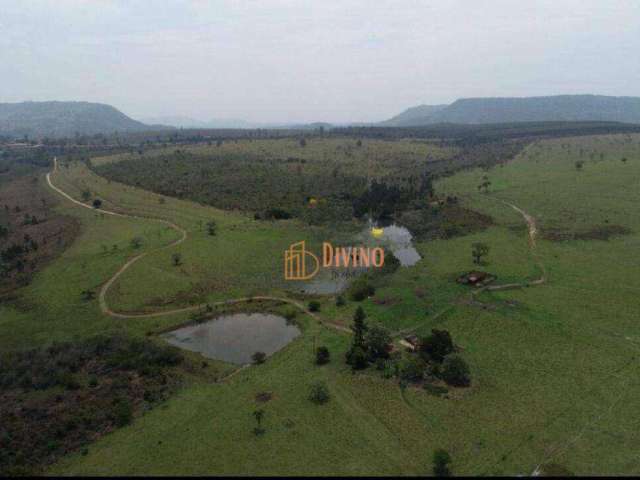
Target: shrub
{"points": [[322, 355], [340, 301], [290, 314], [314, 306], [411, 369], [441, 461], [436, 390], [258, 358], [97, 203], [360, 289], [455, 371], [319, 393]]}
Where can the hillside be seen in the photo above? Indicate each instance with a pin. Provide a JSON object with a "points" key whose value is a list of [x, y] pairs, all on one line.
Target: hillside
{"points": [[529, 109], [413, 116], [63, 119]]}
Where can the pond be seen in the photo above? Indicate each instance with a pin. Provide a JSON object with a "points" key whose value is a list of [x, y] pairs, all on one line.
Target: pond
{"points": [[399, 240], [235, 338], [394, 237]]}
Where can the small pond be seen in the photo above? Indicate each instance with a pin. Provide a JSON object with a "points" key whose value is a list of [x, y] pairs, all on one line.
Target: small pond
{"points": [[396, 238], [235, 338]]}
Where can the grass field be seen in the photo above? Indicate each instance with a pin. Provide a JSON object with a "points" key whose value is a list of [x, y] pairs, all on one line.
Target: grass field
{"points": [[554, 367]]}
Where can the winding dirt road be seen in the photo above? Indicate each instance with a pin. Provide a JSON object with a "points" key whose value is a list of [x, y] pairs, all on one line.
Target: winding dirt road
{"points": [[102, 297]]}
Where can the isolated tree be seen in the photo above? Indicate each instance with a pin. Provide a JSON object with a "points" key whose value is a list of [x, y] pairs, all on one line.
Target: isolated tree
{"points": [[340, 301], [136, 242], [314, 306], [479, 250], [303, 142], [486, 183], [211, 227], [86, 195], [359, 143], [441, 461], [258, 415], [579, 164], [258, 358], [88, 295], [322, 355], [319, 393], [97, 203], [176, 259]]}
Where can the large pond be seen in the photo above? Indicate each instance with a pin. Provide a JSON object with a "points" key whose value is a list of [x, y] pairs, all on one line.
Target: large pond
{"points": [[235, 338]]}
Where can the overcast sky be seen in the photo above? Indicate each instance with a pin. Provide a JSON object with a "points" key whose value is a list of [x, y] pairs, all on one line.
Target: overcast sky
{"points": [[321, 60]]}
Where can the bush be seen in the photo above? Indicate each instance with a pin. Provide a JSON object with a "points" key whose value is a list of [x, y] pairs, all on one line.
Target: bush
{"points": [[441, 461], [322, 355], [455, 371], [435, 389], [290, 314], [314, 306], [319, 393], [411, 369], [258, 358], [361, 289], [340, 301]]}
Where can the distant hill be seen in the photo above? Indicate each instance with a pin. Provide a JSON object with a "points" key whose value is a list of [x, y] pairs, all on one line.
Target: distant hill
{"points": [[413, 116], [64, 119], [560, 108]]}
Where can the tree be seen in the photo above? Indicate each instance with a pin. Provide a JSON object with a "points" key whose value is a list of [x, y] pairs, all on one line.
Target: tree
{"points": [[86, 195], [88, 295], [357, 354], [579, 164], [136, 242], [486, 183], [211, 227], [303, 142], [314, 306], [176, 259], [319, 393], [441, 461], [340, 301], [455, 371], [258, 358], [322, 355], [436, 346], [97, 203], [377, 342], [479, 250], [258, 415]]}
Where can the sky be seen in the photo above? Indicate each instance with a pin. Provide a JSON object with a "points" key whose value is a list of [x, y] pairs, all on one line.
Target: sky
{"points": [[303, 61]]}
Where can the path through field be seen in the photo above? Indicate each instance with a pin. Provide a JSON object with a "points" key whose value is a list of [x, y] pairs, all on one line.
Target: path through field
{"points": [[104, 306]]}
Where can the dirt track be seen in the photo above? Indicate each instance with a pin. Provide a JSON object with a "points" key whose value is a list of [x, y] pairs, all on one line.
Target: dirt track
{"points": [[104, 306]]}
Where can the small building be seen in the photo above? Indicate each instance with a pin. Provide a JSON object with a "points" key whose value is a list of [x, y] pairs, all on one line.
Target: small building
{"points": [[476, 278], [412, 342]]}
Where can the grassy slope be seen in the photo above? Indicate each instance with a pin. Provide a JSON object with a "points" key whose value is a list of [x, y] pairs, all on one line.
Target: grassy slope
{"points": [[554, 376]]}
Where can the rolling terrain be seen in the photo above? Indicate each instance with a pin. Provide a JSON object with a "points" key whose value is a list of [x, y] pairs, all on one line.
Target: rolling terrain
{"points": [[553, 364]]}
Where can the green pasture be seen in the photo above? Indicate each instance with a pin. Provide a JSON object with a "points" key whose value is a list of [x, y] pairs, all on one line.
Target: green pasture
{"points": [[554, 367]]}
